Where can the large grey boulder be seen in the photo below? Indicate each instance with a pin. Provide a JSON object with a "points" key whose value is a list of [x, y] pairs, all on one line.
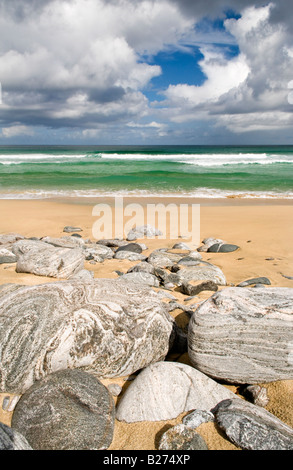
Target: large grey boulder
{"points": [[252, 427], [164, 390], [244, 335], [43, 259], [109, 327], [10, 439], [67, 410], [202, 272]]}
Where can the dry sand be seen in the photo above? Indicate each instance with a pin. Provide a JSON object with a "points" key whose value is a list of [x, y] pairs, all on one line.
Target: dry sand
{"points": [[262, 229]]}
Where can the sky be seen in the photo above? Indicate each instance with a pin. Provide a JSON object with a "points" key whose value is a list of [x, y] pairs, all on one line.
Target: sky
{"points": [[146, 72]]}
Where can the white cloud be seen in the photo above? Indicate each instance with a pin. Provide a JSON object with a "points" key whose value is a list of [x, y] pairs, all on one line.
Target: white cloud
{"points": [[247, 92], [16, 130]]}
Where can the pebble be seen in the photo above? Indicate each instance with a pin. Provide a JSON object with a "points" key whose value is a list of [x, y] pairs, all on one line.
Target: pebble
{"points": [[181, 437]]}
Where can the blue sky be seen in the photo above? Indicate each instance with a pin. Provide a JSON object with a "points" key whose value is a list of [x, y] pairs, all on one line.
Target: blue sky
{"points": [[146, 72]]}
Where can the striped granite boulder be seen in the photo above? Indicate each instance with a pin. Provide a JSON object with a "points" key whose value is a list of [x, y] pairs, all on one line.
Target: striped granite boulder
{"points": [[244, 335]]}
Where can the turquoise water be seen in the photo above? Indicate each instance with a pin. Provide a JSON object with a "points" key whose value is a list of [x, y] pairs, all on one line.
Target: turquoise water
{"points": [[39, 172]]}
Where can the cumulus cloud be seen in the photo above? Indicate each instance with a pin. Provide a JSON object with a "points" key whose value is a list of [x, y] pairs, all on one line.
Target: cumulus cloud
{"points": [[85, 65], [248, 92], [80, 62]]}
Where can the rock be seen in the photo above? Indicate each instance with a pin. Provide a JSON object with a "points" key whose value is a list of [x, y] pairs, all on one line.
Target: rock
{"points": [[164, 390], [106, 326], [197, 417], [83, 275], [167, 277], [64, 242], [181, 437], [202, 272], [195, 287], [67, 410], [143, 267], [208, 242], [251, 427], [141, 278], [180, 246], [112, 243], [143, 231], [162, 259], [188, 261], [131, 256], [98, 253], [10, 238], [257, 280], [244, 336], [222, 248], [42, 259], [6, 256], [114, 389], [257, 395], [133, 247], [12, 440], [69, 229], [288, 277]]}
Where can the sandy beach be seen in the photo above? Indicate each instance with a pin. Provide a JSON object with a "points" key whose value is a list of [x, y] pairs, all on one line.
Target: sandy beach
{"points": [[262, 229]]}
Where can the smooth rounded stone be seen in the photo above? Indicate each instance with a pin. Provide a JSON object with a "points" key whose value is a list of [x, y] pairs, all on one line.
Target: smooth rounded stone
{"points": [[195, 287], [251, 427], [64, 242], [143, 231], [257, 395], [222, 248], [69, 229], [141, 278], [208, 242], [131, 256], [255, 281], [83, 275], [143, 267], [109, 327], [181, 437], [42, 259], [202, 272], [133, 247], [10, 439], [162, 259], [164, 390], [6, 256], [197, 417], [67, 410], [244, 336]]}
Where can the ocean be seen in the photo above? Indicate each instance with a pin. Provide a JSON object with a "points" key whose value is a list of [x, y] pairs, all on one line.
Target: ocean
{"points": [[189, 171]]}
